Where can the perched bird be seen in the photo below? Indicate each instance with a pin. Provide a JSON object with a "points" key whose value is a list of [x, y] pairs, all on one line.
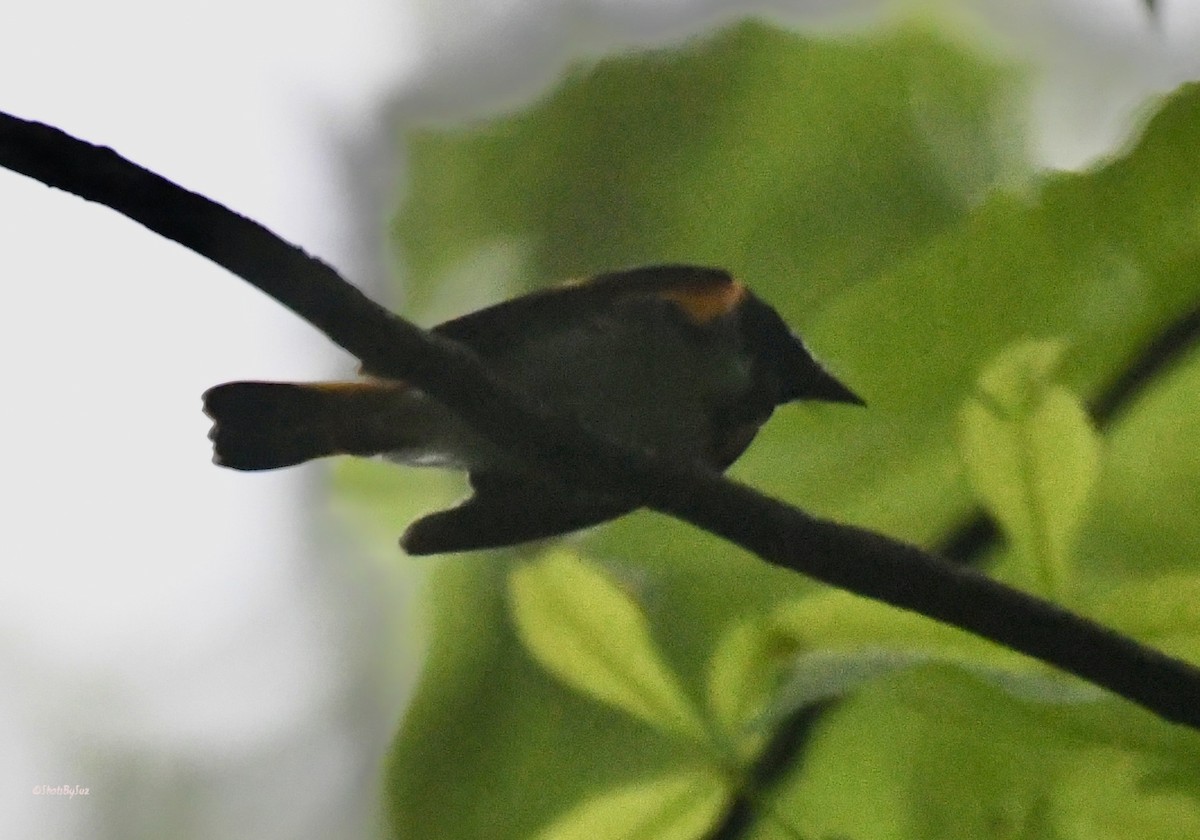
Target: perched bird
{"points": [[681, 359]]}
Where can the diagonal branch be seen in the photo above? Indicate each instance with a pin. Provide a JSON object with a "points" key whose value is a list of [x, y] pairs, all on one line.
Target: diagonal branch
{"points": [[852, 558]]}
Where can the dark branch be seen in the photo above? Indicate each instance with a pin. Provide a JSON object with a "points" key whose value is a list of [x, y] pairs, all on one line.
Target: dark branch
{"points": [[845, 556], [1162, 353], [782, 752], [302, 283]]}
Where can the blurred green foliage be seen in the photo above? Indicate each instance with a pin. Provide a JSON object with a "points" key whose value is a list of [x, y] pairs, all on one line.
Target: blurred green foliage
{"points": [[873, 188], [1032, 457]]}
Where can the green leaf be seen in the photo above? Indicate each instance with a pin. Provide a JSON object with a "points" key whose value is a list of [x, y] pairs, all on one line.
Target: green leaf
{"points": [[1103, 795], [842, 622], [946, 753], [1144, 520], [1163, 611], [827, 675], [1004, 753], [679, 806], [1016, 380], [743, 675], [1033, 458], [593, 636], [847, 641], [492, 744]]}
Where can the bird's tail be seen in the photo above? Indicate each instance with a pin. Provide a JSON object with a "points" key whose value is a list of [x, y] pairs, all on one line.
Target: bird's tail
{"points": [[265, 425]]}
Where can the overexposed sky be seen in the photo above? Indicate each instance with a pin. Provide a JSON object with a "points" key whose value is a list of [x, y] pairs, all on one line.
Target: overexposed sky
{"points": [[168, 638], [181, 639]]}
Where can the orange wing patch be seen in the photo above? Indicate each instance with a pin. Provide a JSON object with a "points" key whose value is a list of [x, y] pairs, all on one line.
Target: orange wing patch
{"points": [[705, 302]]}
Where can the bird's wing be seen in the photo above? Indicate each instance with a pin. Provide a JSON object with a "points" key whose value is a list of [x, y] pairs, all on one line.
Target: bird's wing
{"points": [[502, 512], [702, 294]]}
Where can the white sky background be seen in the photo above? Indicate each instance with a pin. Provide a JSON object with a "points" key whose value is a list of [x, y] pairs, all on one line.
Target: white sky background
{"points": [[181, 639]]}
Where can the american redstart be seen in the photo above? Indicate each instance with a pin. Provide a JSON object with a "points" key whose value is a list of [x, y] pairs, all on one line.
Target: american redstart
{"points": [[681, 359]]}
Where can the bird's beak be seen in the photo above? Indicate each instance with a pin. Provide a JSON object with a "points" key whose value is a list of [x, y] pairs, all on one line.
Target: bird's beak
{"points": [[822, 385]]}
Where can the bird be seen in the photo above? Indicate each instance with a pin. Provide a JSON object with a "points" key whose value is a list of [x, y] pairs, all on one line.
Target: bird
{"points": [[683, 360]]}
